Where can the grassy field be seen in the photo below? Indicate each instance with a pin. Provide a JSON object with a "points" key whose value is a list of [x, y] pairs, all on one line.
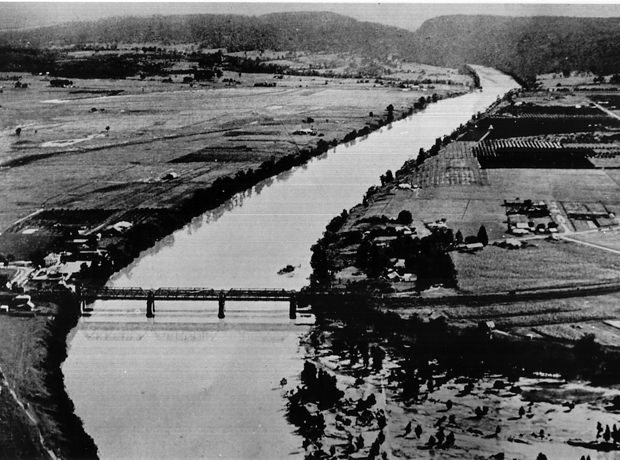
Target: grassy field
{"points": [[80, 148], [548, 264], [609, 240], [468, 206], [21, 353]]}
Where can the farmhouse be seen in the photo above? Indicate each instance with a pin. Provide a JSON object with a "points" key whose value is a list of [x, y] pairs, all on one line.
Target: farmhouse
{"points": [[305, 132]]}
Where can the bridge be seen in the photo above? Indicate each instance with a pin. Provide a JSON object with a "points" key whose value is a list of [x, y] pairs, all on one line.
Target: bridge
{"points": [[188, 294]]}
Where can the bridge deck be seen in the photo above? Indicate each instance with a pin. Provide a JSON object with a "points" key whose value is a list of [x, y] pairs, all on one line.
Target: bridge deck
{"points": [[131, 293]]}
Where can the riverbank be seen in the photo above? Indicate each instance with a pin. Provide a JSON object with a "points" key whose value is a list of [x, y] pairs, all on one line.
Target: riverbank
{"points": [[494, 335], [38, 415], [525, 190], [414, 388], [280, 263]]}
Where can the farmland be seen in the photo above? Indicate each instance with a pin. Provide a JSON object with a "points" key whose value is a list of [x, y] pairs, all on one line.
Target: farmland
{"points": [[507, 160], [110, 145], [546, 264]]}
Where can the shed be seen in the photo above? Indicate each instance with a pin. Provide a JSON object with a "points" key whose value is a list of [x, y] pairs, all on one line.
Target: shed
{"points": [[486, 326], [474, 247]]}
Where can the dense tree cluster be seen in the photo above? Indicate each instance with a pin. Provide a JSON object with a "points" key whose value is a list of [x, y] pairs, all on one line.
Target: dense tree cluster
{"points": [[524, 47], [427, 257]]}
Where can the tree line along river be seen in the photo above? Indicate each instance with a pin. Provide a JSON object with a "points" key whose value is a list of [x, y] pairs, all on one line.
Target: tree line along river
{"points": [[189, 385]]}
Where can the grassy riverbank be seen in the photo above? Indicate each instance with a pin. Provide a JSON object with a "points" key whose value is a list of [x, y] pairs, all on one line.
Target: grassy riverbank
{"points": [[36, 409]]}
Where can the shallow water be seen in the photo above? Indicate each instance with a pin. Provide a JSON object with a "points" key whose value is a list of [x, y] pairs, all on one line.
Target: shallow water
{"points": [[190, 386]]}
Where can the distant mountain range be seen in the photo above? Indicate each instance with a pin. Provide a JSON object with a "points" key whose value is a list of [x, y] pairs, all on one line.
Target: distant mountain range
{"points": [[523, 46]]}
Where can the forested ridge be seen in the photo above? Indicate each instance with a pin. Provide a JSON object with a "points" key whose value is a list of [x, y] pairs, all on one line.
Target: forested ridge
{"points": [[307, 31], [522, 46]]}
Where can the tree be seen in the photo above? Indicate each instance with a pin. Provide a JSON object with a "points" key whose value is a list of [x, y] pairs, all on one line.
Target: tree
{"points": [[459, 237], [322, 265], [390, 111], [404, 217], [483, 237], [389, 176], [377, 261], [588, 348]]}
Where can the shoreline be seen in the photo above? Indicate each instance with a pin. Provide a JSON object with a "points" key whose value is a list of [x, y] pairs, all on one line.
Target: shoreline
{"points": [[79, 443], [144, 236]]}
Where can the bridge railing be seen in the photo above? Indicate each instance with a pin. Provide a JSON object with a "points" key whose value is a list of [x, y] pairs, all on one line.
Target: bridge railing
{"points": [[117, 293]]}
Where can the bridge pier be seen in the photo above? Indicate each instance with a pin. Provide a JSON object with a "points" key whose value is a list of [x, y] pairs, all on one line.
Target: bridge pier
{"points": [[292, 308], [222, 303], [150, 305]]}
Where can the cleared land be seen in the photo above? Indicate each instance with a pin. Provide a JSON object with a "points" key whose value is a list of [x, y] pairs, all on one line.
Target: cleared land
{"points": [[80, 148], [452, 187], [547, 264]]}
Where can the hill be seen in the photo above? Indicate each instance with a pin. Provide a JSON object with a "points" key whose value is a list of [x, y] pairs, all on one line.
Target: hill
{"points": [[522, 46], [307, 31]]}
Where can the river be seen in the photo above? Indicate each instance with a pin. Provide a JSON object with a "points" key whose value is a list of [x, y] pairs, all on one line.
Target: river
{"points": [[187, 385]]}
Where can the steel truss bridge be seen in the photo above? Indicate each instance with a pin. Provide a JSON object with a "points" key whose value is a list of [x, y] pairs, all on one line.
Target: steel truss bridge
{"points": [[133, 293], [188, 294]]}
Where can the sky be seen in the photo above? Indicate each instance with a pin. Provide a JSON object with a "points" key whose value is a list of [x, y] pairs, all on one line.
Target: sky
{"points": [[408, 15]]}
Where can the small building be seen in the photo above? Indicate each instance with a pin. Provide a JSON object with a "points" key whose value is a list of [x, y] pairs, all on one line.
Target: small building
{"points": [[474, 247], [21, 303], [305, 132]]}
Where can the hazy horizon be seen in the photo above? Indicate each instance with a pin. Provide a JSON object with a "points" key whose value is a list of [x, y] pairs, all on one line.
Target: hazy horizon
{"points": [[406, 15]]}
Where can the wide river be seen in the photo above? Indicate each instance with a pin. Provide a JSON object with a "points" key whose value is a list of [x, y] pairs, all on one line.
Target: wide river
{"points": [[187, 385]]}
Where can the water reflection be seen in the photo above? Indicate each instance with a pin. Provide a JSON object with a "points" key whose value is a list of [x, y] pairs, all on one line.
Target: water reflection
{"points": [[217, 395]]}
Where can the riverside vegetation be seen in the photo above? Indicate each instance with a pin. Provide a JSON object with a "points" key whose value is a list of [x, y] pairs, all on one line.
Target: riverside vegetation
{"points": [[488, 307], [168, 166]]}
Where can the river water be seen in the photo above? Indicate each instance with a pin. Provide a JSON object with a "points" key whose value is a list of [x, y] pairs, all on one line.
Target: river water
{"points": [[187, 385]]}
